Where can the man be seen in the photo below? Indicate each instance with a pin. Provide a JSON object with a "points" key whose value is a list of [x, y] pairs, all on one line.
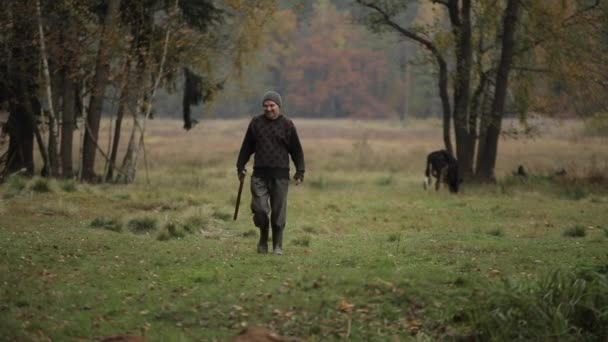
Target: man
{"points": [[272, 137]]}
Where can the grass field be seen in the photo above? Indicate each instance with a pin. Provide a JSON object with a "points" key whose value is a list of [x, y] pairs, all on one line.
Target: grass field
{"points": [[369, 256]]}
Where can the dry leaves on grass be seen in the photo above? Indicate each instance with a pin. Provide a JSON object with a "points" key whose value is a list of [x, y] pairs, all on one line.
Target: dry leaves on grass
{"points": [[345, 306]]}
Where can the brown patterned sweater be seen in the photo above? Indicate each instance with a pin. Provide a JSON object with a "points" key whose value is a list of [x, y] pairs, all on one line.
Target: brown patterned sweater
{"points": [[272, 142]]}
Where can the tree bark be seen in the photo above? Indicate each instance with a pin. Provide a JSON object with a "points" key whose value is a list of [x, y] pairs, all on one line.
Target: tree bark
{"points": [[486, 167], [147, 103], [460, 19], [125, 96], [21, 73], [102, 72], [53, 151], [67, 124]]}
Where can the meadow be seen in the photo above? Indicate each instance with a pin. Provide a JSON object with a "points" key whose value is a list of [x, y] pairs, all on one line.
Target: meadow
{"points": [[369, 255]]}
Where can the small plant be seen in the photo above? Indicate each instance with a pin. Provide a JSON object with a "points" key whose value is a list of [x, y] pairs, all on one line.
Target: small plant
{"points": [[40, 185], [251, 233], [303, 241], [385, 181], [496, 232], [395, 237], [171, 230], [16, 182], [576, 231], [597, 125], [106, 223], [142, 224], [195, 223], [318, 183], [122, 196], [221, 215], [69, 185], [310, 230], [574, 192]]}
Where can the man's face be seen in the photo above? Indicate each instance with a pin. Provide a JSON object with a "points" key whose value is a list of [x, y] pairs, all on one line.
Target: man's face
{"points": [[271, 109]]}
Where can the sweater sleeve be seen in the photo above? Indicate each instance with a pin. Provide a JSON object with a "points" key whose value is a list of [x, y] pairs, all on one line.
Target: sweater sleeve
{"points": [[296, 151], [247, 149]]}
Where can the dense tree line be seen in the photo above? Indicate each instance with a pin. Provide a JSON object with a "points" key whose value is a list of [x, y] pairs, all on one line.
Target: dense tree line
{"points": [[63, 61]]}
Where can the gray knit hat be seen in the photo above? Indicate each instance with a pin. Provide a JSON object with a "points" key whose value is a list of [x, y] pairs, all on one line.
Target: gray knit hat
{"points": [[274, 97]]}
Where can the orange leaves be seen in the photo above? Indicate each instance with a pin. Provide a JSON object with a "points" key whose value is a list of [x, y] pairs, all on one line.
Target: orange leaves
{"points": [[345, 306]]}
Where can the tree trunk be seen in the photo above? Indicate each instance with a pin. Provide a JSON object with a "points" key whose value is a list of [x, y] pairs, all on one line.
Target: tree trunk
{"points": [[53, 152], [67, 124], [460, 19], [22, 71], [147, 102], [125, 97], [486, 167], [445, 104], [20, 154], [126, 176], [102, 72]]}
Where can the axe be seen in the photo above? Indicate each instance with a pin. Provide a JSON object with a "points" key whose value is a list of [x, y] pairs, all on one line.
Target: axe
{"points": [[238, 197]]}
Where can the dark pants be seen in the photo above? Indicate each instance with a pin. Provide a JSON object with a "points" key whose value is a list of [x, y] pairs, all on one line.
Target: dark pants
{"points": [[269, 198]]}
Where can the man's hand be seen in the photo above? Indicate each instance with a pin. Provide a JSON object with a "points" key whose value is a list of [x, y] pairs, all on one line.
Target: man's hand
{"points": [[298, 178], [241, 174]]}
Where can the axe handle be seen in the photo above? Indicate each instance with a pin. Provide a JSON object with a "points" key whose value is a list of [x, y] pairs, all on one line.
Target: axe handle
{"points": [[238, 198]]}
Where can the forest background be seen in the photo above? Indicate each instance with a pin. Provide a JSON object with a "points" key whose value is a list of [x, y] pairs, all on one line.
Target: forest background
{"points": [[471, 63]]}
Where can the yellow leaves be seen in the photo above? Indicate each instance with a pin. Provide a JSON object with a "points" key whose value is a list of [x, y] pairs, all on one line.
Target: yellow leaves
{"points": [[429, 13], [345, 306], [414, 325]]}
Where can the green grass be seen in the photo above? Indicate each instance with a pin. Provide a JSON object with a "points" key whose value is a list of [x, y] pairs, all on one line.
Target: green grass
{"points": [[368, 255]]}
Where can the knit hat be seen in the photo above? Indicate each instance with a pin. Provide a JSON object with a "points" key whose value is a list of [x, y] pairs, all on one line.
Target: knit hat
{"points": [[274, 97]]}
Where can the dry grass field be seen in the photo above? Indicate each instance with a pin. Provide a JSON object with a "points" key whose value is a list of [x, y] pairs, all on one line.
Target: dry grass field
{"points": [[369, 256]]}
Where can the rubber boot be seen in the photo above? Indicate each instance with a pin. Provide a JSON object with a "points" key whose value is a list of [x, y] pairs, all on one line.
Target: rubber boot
{"points": [[262, 222], [277, 240]]}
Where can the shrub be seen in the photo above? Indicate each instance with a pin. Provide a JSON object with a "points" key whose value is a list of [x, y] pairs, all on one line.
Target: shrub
{"points": [[573, 192], [395, 237], [251, 233], [171, 230], [195, 223], [40, 185], [597, 125], [318, 183], [576, 231], [385, 181], [309, 229], [224, 216], [303, 241], [496, 232], [16, 182], [142, 224], [106, 223], [69, 185]]}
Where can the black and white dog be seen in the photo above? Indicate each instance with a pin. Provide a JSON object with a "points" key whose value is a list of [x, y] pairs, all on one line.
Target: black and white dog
{"points": [[444, 167]]}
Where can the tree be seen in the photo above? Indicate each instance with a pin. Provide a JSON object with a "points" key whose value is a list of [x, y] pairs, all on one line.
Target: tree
{"points": [[485, 169], [130, 48], [331, 75], [492, 58], [20, 88], [102, 72]]}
